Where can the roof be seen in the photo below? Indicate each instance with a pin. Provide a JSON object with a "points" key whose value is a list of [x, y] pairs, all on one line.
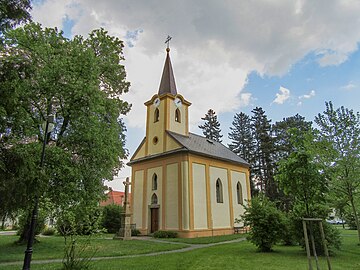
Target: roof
{"points": [[201, 146], [114, 197], [167, 83]]}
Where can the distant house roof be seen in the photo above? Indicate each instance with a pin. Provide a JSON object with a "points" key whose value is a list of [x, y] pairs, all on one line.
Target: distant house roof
{"points": [[114, 197], [201, 146]]}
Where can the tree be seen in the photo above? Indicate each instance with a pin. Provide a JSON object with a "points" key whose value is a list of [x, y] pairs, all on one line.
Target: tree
{"points": [[241, 137], [266, 222], [262, 164], [13, 12], [80, 81], [112, 218], [211, 127], [340, 130]]}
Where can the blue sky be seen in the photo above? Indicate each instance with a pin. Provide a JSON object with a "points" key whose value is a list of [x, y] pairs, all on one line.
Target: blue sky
{"points": [[287, 57]]}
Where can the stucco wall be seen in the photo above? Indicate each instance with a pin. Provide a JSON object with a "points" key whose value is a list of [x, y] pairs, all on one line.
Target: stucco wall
{"points": [[176, 126], [158, 192], [156, 129], [199, 188], [235, 178], [220, 211], [172, 195], [185, 195], [137, 192]]}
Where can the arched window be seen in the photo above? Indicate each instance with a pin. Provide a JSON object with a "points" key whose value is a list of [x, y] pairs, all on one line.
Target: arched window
{"points": [[154, 182], [219, 191], [177, 116], [156, 115], [239, 193], [154, 199]]}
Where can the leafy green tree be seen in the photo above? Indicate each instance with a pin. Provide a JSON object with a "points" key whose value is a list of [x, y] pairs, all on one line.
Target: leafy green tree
{"points": [[266, 222], [80, 81], [112, 217], [339, 129], [13, 12], [211, 127]]}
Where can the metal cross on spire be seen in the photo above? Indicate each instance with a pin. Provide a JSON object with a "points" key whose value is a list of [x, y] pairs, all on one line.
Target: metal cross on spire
{"points": [[168, 41]]}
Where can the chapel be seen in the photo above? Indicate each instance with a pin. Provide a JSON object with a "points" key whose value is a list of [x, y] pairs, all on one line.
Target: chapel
{"points": [[181, 181]]}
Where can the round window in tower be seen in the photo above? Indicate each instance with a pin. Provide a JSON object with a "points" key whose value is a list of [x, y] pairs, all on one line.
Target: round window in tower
{"points": [[155, 140]]}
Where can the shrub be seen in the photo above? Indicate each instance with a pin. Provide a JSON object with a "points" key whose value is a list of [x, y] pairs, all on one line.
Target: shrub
{"points": [[332, 234], [111, 220], [266, 222], [24, 225], [49, 231], [165, 234], [135, 232]]}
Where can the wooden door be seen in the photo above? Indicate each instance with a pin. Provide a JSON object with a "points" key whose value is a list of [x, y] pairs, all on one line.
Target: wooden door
{"points": [[154, 219]]}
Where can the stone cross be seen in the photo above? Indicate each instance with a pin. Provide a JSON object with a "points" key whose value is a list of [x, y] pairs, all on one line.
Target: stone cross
{"points": [[126, 184]]}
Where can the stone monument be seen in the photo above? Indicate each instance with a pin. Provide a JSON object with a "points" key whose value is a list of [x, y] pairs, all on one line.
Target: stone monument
{"points": [[125, 227]]}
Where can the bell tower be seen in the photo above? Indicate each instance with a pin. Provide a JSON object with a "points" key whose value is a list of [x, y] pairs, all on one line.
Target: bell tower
{"points": [[166, 111]]}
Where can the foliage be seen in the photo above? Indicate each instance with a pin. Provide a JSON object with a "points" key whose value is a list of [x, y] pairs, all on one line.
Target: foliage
{"points": [[135, 232], [75, 257], [13, 12], [165, 234], [111, 217], [80, 81], [79, 220], [339, 130], [266, 222], [24, 225], [263, 165], [48, 231], [211, 127]]}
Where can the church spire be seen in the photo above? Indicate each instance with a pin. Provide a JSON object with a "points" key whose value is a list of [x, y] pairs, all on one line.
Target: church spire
{"points": [[167, 84]]}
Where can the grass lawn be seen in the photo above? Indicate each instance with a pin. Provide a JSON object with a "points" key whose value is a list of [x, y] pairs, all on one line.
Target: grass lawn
{"points": [[207, 240], [53, 247], [241, 255]]}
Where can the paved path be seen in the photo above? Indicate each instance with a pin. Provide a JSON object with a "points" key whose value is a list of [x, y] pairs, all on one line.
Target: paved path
{"points": [[145, 238]]}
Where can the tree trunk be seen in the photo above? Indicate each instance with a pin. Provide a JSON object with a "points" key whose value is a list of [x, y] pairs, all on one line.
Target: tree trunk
{"points": [[356, 216]]}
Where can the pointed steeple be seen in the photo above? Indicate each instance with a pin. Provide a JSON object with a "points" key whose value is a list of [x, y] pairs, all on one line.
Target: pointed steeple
{"points": [[167, 84]]}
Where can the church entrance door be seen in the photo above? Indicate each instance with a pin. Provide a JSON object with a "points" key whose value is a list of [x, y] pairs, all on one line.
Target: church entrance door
{"points": [[154, 219]]}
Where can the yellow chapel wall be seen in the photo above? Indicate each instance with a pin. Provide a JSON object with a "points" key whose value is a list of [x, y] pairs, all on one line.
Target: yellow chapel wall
{"points": [[137, 191], [220, 211], [185, 196], [155, 129], [178, 127], [150, 192], [199, 191], [238, 208], [172, 197]]}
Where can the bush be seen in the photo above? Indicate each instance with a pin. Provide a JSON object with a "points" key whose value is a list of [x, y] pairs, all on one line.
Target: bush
{"points": [[165, 234], [79, 221], [266, 223], [111, 220], [24, 225], [332, 234], [135, 232], [49, 231]]}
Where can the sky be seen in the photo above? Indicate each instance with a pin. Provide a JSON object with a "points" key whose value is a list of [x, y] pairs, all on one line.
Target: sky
{"points": [[287, 57]]}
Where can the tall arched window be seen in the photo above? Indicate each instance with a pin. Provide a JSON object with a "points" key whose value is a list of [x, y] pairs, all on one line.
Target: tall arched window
{"points": [[154, 199], [219, 191], [177, 116], [156, 115], [239, 193], [154, 182]]}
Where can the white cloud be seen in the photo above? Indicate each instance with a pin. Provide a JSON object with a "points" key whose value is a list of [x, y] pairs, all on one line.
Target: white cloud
{"points": [[245, 99], [282, 96], [216, 44], [349, 86], [307, 96]]}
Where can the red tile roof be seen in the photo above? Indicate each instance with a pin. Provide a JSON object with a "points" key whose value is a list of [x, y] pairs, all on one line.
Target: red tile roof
{"points": [[115, 197]]}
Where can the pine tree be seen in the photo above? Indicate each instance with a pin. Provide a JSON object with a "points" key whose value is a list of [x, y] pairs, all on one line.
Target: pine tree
{"points": [[211, 127], [262, 163], [241, 137]]}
